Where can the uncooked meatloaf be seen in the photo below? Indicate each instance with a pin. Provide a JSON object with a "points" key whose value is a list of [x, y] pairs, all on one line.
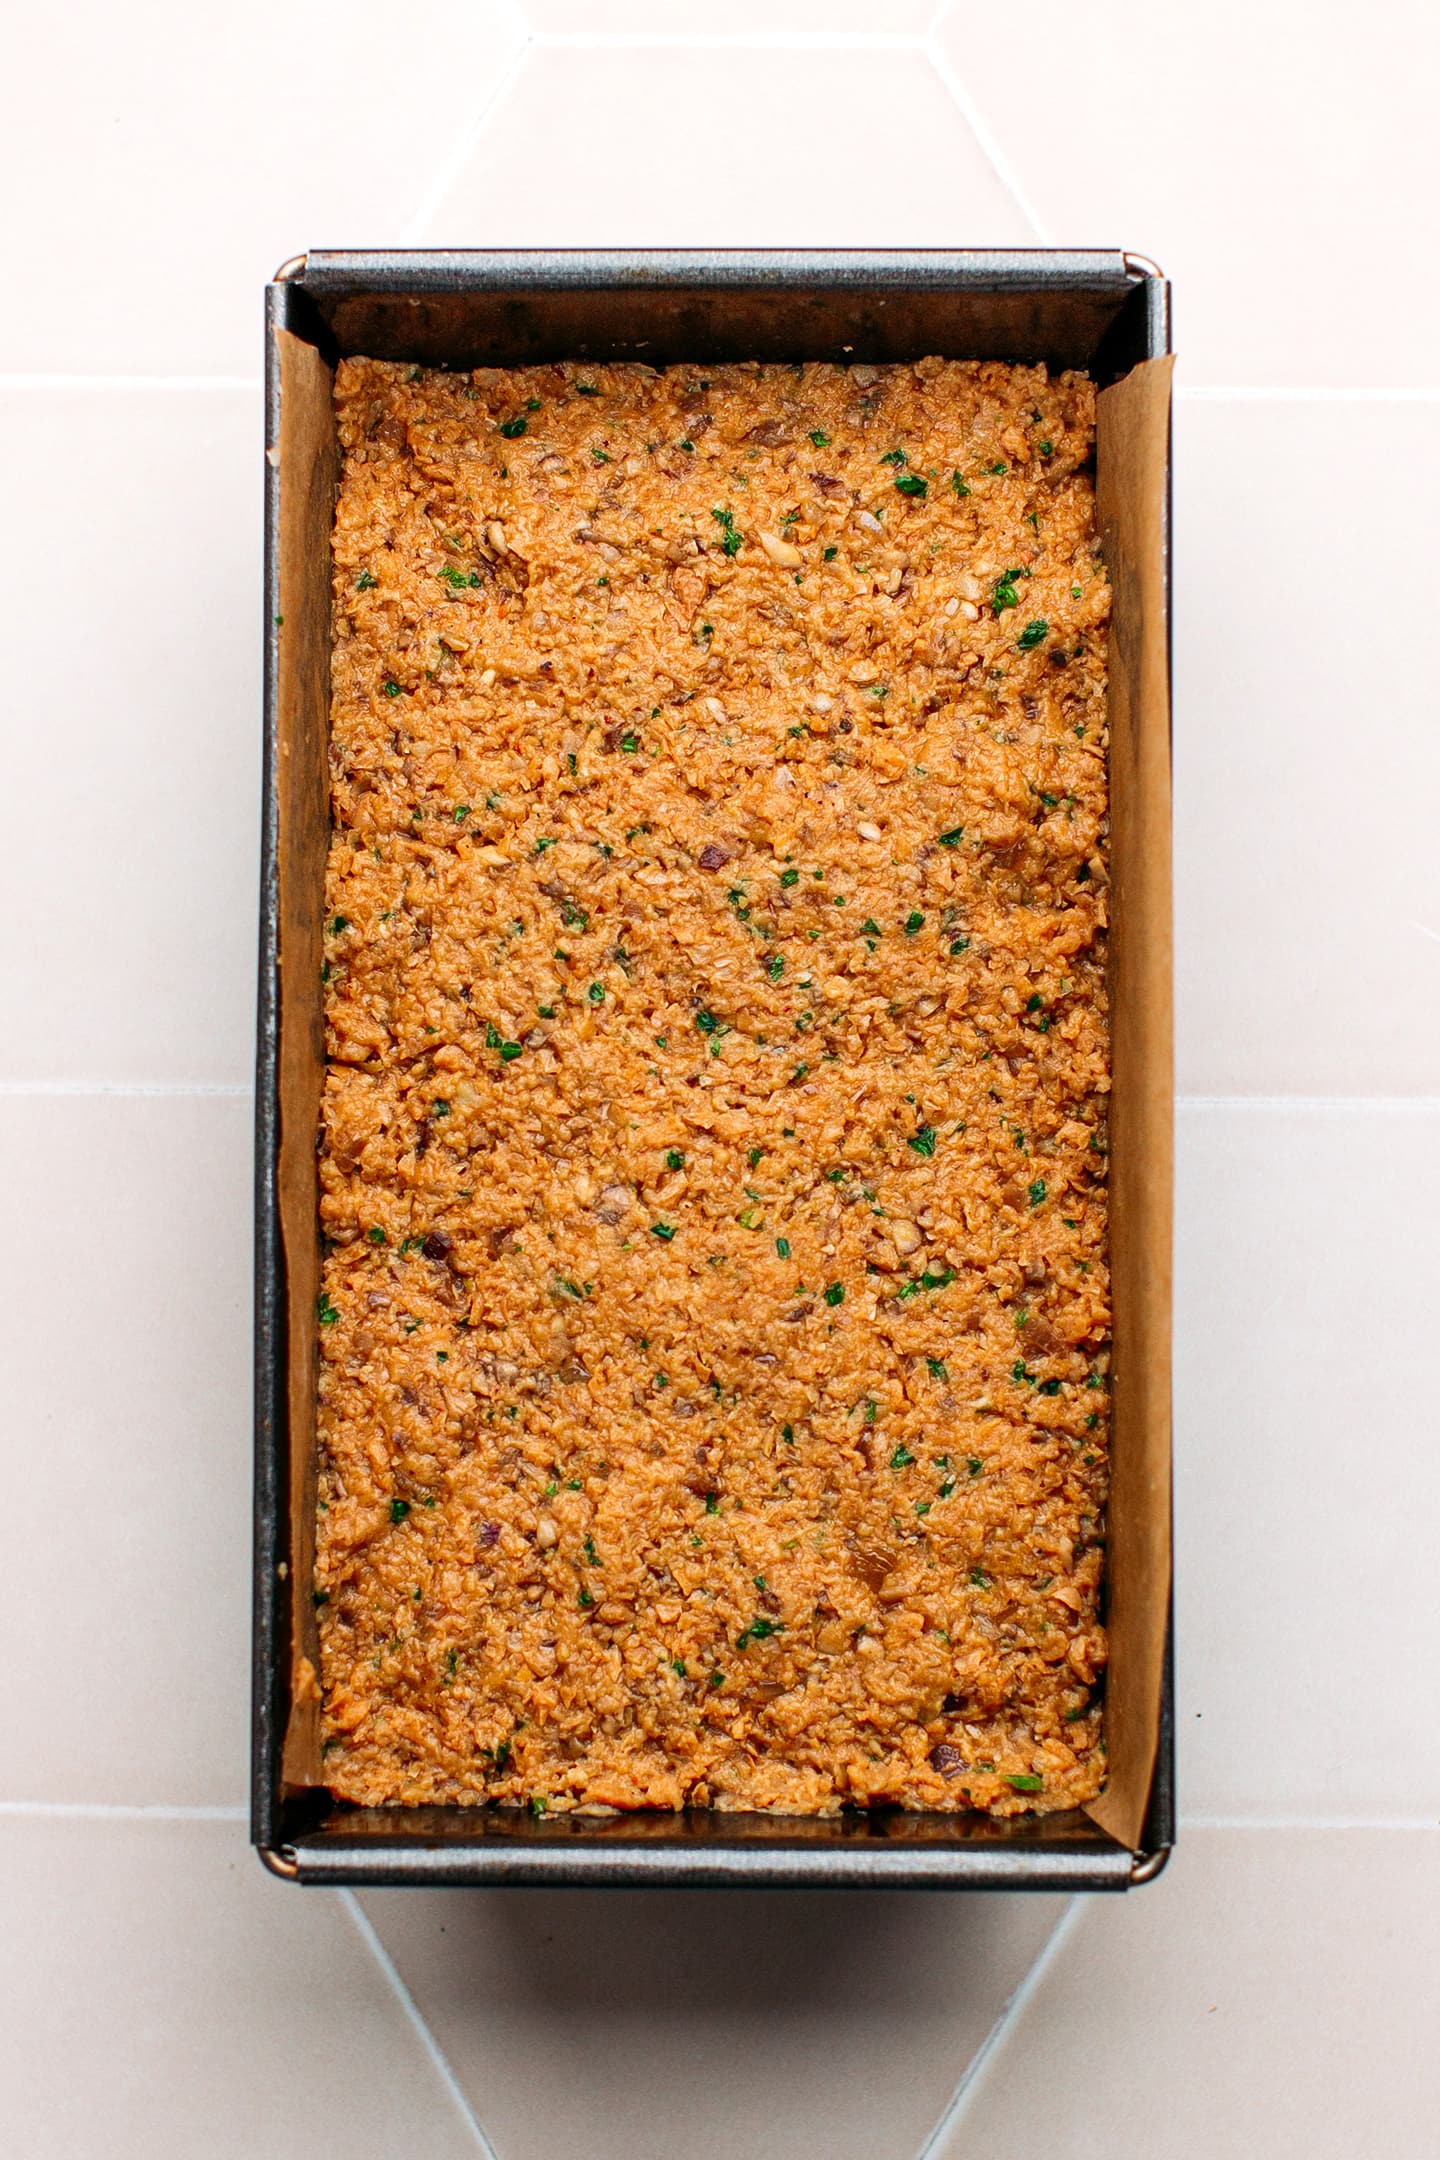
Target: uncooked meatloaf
{"points": [[715, 1310]]}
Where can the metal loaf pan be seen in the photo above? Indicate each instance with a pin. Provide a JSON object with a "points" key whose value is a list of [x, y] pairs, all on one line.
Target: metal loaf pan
{"points": [[1103, 311]]}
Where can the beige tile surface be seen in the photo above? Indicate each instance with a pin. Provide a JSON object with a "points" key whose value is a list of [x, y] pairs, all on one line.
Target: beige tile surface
{"points": [[764, 18], [133, 750], [1307, 782], [125, 1445], [164, 1996], [165, 159], [1260, 155], [1307, 1459], [1270, 1994], [637, 2026], [725, 148]]}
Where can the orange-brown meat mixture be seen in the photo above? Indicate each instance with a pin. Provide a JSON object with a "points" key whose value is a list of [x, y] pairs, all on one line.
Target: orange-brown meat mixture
{"points": [[715, 1302]]}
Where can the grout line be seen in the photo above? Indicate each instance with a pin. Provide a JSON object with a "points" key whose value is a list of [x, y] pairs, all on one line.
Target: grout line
{"points": [[732, 40], [1059, 1935], [366, 1930], [1402, 1103], [1000, 165], [118, 1811], [242, 1090], [237, 1090], [130, 382], [1310, 1822], [450, 168], [1302, 394]]}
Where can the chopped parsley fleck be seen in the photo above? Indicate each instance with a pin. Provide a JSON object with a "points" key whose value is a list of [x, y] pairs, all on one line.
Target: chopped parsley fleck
{"points": [[775, 966], [894, 457], [376, 1235], [759, 1630], [399, 1509], [1026, 1782], [712, 1503], [938, 1368], [1034, 633], [707, 1023], [789, 877], [630, 744], [439, 1108], [1037, 1192], [914, 922], [732, 542], [390, 689], [901, 1459], [998, 467], [325, 1312], [596, 993], [664, 1231], [923, 1141], [1047, 449], [587, 389], [674, 1160], [820, 439], [511, 429], [912, 483], [835, 1293], [958, 483], [366, 583], [782, 1246], [979, 1578], [952, 838], [1003, 593], [829, 554], [338, 923]]}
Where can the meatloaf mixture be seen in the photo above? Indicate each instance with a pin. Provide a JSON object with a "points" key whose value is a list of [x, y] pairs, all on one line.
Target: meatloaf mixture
{"points": [[715, 1313]]}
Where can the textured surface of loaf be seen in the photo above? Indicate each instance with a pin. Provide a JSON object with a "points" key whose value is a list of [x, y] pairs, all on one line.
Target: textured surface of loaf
{"points": [[715, 1315]]}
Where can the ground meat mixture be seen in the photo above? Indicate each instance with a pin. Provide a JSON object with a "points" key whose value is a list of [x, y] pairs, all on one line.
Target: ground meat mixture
{"points": [[715, 1314]]}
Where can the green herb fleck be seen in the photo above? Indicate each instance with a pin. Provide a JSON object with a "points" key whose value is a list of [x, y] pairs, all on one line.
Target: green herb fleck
{"points": [[782, 1246], [914, 922], [596, 993], [325, 1312], [1037, 1192], [1026, 1783], [820, 439], [912, 483], [399, 1509], [511, 429], [733, 541], [1034, 633], [901, 1459], [664, 1231], [366, 583]]}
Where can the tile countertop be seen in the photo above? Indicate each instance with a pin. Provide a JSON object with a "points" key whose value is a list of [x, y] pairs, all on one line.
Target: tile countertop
{"points": [[1275, 1986]]}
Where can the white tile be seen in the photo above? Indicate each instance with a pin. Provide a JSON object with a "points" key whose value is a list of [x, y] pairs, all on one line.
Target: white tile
{"points": [[164, 160], [164, 1995], [128, 874], [1308, 1460], [1271, 1993], [1277, 161], [638, 2026], [740, 18], [1307, 784], [126, 1444], [725, 148]]}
